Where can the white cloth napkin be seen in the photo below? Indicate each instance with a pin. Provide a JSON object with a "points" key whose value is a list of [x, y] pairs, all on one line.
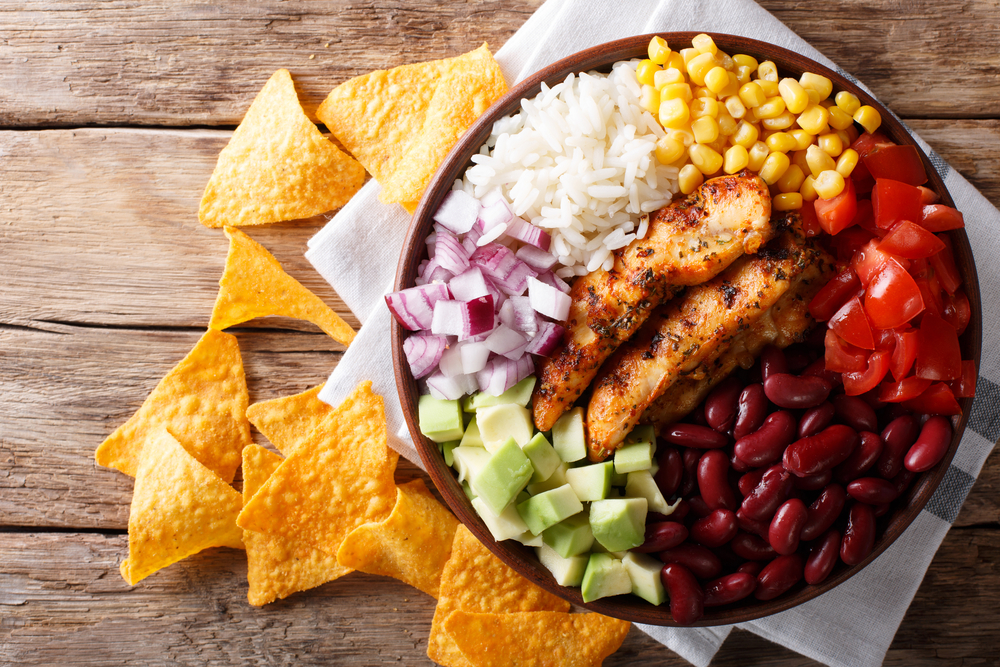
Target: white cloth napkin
{"points": [[852, 625]]}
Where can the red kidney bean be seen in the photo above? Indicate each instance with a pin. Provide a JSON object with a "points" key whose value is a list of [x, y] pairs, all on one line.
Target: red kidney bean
{"points": [[816, 419], [818, 369], [752, 568], [730, 588], [872, 399], [772, 360], [754, 526], [859, 536], [696, 558], [693, 435], [689, 457], [931, 445], [738, 465], [897, 438], [751, 412], [813, 482], [820, 452], [786, 526], [699, 507], [855, 413], [893, 411], [721, 404], [686, 596], [863, 458], [668, 477], [778, 576], [822, 558], [663, 535], [713, 480], [750, 480], [680, 512], [872, 490], [824, 511], [901, 482], [772, 490], [751, 547], [879, 510], [715, 529], [797, 358], [791, 391], [765, 445], [698, 415]]}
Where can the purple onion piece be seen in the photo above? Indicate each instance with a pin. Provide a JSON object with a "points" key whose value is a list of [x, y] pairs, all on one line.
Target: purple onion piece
{"points": [[547, 339], [423, 353], [413, 308], [458, 211]]}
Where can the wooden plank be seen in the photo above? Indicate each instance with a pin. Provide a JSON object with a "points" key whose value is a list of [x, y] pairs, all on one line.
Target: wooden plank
{"points": [[65, 603]]}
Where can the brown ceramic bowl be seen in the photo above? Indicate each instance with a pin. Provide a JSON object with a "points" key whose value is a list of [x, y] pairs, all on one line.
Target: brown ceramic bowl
{"points": [[522, 558]]}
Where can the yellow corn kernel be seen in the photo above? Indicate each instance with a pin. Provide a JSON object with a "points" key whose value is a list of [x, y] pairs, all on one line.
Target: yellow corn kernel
{"points": [[814, 119], [732, 87], [706, 130], [831, 144], [770, 88], [658, 50], [676, 91], [667, 76], [725, 61], [705, 158], [774, 167], [746, 135], [719, 145], [808, 189], [852, 135], [787, 201], [650, 100], [736, 158], [704, 43], [839, 119], [792, 179], [848, 102], [743, 74], [757, 154], [727, 124], [699, 66], [799, 158], [768, 71], [645, 72], [689, 178], [817, 82], [673, 112], [668, 150], [802, 139], [819, 161], [827, 103], [752, 95], [868, 118], [688, 54], [847, 161], [735, 106], [814, 97], [782, 121], [780, 142], [704, 106], [829, 184], [676, 60], [796, 99], [717, 79], [682, 134], [771, 108], [702, 91], [743, 60]]}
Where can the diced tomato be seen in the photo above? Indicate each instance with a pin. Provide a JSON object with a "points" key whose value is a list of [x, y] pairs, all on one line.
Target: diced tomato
{"points": [[904, 390], [863, 181], [832, 295], [842, 357], [965, 386], [944, 267], [838, 213], [956, 310], [893, 201], [939, 356], [868, 142], [928, 196], [851, 324], [885, 339], [940, 218], [899, 163], [858, 383], [937, 400], [910, 240], [904, 354], [847, 243], [870, 258], [810, 223], [930, 292], [865, 219], [892, 297]]}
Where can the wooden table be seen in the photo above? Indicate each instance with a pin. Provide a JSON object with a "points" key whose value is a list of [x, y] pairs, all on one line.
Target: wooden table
{"points": [[111, 117]]}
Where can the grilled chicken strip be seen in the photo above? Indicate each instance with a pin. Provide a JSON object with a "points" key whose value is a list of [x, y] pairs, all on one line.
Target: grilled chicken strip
{"points": [[786, 322], [683, 333], [687, 243]]}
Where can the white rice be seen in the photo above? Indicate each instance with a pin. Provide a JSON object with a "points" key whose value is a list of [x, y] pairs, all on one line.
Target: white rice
{"points": [[578, 160]]}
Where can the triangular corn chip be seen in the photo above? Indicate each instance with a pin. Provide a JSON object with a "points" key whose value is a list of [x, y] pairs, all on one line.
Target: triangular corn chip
{"points": [[412, 544], [278, 567], [202, 401], [289, 421], [254, 285], [277, 166], [475, 580], [339, 479], [179, 507], [536, 638]]}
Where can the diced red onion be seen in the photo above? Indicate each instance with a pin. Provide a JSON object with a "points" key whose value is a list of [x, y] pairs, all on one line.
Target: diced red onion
{"points": [[496, 213], [458, 211], [546, 299], [451, 388], [550, 278], [451, 361], [517, 281], [528, 233], [423, 353], [507, 342], [525, 319], [546, 340], [471, 240], [502, 373], [463, 318], [469, 285], [414, 307], [433, 272], [474, 356], [536, 258], [450, 254]]}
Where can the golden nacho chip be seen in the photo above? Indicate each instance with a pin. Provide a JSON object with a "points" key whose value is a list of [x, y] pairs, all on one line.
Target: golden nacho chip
{"points": [[277, 166], [179, 507], [202, 401], [338, 479], [412, 544], [254, 285], [536, 638], [278, 567], [288, 421], [477, 581]]}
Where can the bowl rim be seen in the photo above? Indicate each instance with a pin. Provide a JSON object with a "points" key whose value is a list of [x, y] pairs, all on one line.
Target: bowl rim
{"points": [[522, 559]]}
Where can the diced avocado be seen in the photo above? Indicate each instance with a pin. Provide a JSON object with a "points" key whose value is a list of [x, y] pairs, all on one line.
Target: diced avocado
{"points": [[543, 457], [506, 472], [440, 420], [468, 491], [529, 539], [447, 448], [567, 571], [508, 525], [642, 485], [634, 456], [519, 394], [499, 422], [472, 438], [642, 433], [618, 523], [569, 437], [468, 461], [549, 508], [654, 468], [604, 576], [571, 536], [644, 571], [591, 482], [555, 480], [619, 479]]}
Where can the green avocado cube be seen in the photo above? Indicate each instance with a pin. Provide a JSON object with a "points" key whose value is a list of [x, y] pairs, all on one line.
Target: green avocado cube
{"points": [[619, 523], [440, 420], [549, 508], [618, 479], [605, 576], [470, 494], [472, 437], [447, 449], [633, 456], [554, 481], [508, 525], [644, 571], [569, 436], [642, 433], [592, 482], [468, 461], [571, 536], [500, 422], [543, 457], [519, 394], [642, 485], [529, 539], [504, 476], [566, 571]]}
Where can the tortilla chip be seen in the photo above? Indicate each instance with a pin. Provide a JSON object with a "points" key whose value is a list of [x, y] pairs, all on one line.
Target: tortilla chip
{"points": [[202, 401], [254, 285], [412, 544], [277, 166], [536, 638], [179, 507], [338, 479], [277, 567], [477, 581], [288, 421]]}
